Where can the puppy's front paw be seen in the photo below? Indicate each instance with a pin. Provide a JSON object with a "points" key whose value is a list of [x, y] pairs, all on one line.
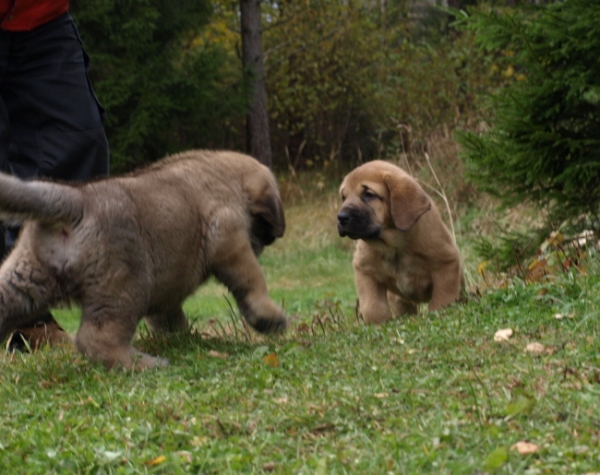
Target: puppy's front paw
{"points": [[271, 325]]}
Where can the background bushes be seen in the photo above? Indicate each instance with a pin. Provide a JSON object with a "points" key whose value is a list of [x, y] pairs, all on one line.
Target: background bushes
{"points": [[163, 88], [346, 80], [544, 144]]}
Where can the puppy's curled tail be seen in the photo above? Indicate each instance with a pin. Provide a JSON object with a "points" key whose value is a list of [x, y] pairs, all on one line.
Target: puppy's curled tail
{"points": [[39, 200]]}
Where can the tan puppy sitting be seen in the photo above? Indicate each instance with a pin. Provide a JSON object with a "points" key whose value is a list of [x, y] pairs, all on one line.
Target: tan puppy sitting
{"points": [[135, 246], [405, 255]]}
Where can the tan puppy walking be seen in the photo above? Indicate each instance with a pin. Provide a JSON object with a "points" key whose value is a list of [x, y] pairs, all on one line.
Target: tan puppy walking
{"points": [[405, 255], [136, 246]]}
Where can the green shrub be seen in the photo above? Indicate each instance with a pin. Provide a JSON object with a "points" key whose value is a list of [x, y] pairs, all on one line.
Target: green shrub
{"points": [[349, 82], [543, 146], [164, 89]]}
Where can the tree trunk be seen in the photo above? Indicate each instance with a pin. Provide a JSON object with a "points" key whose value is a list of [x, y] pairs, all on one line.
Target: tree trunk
{"points": [[257, 119]]}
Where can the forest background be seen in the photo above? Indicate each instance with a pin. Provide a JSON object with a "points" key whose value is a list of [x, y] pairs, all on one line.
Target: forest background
{"points": [[349, 81]]}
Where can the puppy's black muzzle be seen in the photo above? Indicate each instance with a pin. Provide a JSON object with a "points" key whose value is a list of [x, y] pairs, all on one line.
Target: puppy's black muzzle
{"points": [[343, 218], [356, 224]]}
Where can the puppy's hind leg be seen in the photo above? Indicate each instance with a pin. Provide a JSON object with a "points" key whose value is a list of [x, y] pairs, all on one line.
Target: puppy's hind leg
{"points": [[243, 276], [168, 322], [105, 336], [27, 290]]}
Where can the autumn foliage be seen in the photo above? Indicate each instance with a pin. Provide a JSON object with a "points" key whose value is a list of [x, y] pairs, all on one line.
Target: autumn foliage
{"points": [[347, 81]]}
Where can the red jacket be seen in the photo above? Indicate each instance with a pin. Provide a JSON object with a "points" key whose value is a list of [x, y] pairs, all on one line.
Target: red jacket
{"points": [[25, 15]]}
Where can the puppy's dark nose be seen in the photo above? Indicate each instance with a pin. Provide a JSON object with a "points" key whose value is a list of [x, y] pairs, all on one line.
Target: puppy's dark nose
{"points": [[343, 218]]}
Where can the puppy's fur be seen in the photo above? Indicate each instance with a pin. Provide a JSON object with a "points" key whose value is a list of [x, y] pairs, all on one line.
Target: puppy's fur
{"points": [[136, 246], [405, 255]]}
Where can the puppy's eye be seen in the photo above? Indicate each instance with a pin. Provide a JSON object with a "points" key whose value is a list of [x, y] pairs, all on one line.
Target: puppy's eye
{"points": [[369, 195]]}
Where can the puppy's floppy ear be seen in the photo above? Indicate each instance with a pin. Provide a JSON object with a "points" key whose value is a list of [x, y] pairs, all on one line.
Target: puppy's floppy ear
{"points": [[265, 206], [269, 209], [408, 201]]}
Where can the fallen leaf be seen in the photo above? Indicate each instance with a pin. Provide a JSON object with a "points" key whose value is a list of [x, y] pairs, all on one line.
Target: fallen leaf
{"points": [[156, 461], [525, 448], [481, 267], [535, 262], [216, 354], [535, 347], [537, 269], [272, 360], [556, 238], [269, 466], [381, 395], [503, 335], [560, 316], [509, 71]]}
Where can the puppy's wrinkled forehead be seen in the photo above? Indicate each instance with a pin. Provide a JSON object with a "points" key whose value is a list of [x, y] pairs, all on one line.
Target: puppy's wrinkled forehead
{"points": [[370, 176]]}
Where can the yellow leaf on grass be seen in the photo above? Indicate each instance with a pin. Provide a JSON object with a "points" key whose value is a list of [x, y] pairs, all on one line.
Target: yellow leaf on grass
{"points": [[556, 238], [537, 269], [509, 71], [534, 262], [156, 461], [272, 360], [525, 448], [481, 267]]}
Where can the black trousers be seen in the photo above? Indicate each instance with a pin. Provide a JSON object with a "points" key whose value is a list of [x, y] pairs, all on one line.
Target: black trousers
{"points": [[50, 118]]}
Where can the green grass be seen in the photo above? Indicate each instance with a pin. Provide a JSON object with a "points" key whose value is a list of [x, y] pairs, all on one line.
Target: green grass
{"points": [[432, 393]]}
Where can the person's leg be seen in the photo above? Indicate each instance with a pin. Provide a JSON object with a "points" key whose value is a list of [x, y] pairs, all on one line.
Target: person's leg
{"points": [[4, 124], [54, 119], [4, 143]]}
